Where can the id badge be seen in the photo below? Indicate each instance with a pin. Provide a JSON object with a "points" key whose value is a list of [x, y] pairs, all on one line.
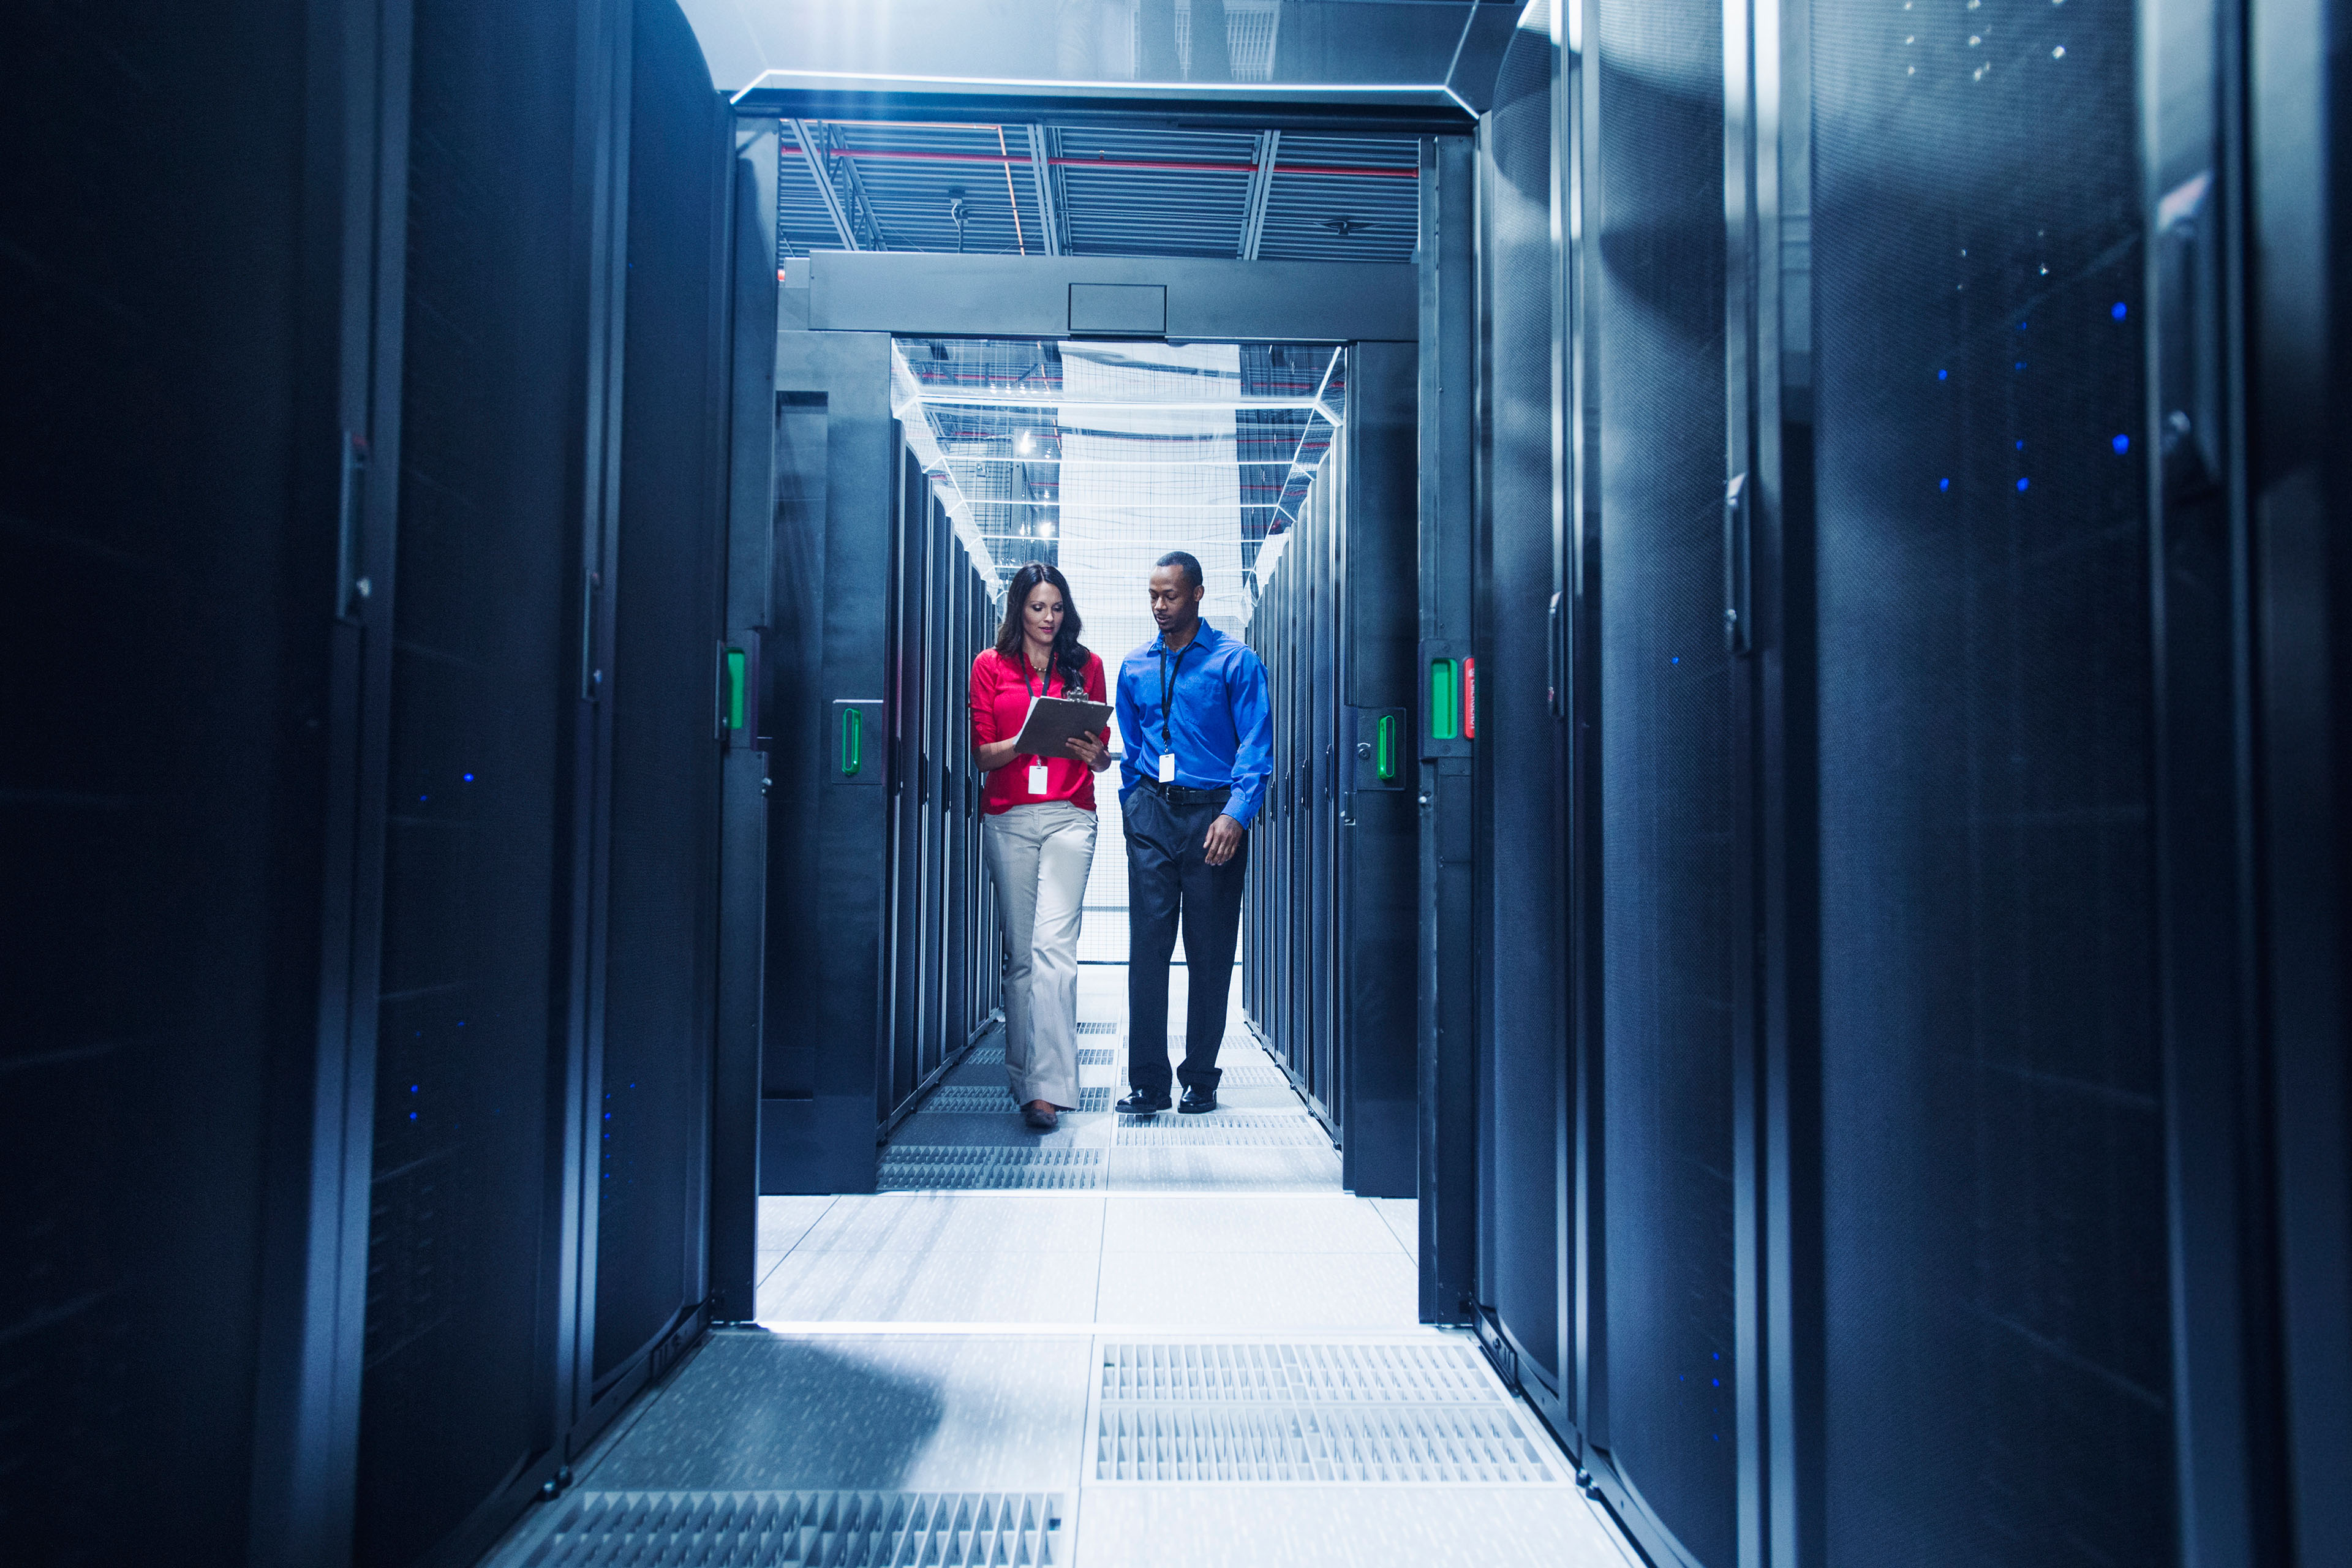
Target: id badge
{"points": [[1167, 767], [1037, 778]]}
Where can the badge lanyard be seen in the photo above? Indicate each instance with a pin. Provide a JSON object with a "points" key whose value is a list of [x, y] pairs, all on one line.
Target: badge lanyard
{"points": [[1168, 706], [1038, 777]]}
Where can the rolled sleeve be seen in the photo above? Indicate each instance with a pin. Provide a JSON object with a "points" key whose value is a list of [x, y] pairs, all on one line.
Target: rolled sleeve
{"points": [[1253, 711]]}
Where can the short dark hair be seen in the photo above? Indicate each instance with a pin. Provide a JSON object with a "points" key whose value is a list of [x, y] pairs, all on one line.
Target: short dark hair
{"points": [[1183, 560]]}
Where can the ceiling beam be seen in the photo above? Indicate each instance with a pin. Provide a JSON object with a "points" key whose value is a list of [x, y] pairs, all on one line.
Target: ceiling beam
{"points": [[1049, 189], [1049, 209], [1261, 187], [861, 206], [817, 155]]}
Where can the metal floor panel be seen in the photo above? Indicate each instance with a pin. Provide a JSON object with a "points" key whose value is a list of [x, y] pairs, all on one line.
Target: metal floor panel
{"points": [[798, 1530], [1424, 1445], [917, 1168], [971, 1098], [1153, 1132], [1425, 1412], [1212, 1371]]}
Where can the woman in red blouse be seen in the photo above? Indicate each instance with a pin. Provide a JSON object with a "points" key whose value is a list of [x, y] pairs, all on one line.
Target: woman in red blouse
{"points": [[1039, 833]]}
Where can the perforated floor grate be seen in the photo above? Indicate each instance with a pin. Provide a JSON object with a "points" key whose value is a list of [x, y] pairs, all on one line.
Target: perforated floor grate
{"points": [[802, 1530], [1399, 1444], [1164, 1372], [1415, 1414], [994, 1053], [1253, 1074], [1152, 1132], [918, 1168], [1097, 1026], [1096, 1057], [977, 1099]]}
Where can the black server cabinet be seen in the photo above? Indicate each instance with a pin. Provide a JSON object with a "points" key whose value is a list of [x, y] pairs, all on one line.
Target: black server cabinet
{"points": [[1331, 917], [1512, 719], [1992, 1134], [872, 836], [176, 786], [544, 1005]]}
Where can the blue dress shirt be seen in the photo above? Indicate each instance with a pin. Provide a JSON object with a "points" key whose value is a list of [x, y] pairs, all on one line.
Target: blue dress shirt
{"points": [[1222, 730]]}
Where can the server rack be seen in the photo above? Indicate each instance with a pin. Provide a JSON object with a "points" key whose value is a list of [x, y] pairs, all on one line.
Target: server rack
{"points": [[1872, 1196], [411, 480], [1331, 914], [875, 886]]}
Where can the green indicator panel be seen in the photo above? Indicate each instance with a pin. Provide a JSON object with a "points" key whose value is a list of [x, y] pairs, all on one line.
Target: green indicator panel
{"points": [[1445, 700]]}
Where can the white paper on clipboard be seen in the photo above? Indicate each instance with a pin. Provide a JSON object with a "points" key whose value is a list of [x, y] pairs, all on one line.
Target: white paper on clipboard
{"points": [[1052, 721]]}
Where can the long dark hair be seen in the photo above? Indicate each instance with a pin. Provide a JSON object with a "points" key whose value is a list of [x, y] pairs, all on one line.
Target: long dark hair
{"points": [[1069, 652]]}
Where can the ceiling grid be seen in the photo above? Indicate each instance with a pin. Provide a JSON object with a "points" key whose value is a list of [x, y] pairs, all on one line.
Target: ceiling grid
{"points": [[1091, 190]]}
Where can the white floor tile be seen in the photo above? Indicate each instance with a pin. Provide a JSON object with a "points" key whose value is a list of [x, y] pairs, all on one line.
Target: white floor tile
{"points": [[1403, 1219], [1253, 1292], [959, 1223], [1211, 1168], [1221, 1222], [931, 1288], [784, 1221]]}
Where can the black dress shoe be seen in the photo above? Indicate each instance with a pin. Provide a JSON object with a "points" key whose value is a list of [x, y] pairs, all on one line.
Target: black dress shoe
{"points": [[1198, 1100], [1141, 1104]]}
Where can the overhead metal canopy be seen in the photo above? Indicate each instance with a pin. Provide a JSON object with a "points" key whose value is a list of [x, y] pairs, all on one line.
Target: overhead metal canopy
{"points": [[981, 186]]}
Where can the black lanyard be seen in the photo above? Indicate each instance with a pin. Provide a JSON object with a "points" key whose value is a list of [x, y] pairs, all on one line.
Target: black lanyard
{"points": [[1167, 685], [1046, 681]]}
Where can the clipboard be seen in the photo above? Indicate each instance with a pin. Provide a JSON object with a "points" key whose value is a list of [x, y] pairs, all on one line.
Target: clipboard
{"points": [[1053, 721]]}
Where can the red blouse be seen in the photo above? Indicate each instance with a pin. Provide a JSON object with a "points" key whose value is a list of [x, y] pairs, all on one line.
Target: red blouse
{"points": [[1001, 691]]}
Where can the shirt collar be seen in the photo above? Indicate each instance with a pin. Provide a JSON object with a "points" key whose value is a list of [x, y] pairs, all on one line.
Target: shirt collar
{"points": [[1204, 636]]}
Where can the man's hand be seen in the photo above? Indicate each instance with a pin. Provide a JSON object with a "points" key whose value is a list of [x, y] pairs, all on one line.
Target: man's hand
{"points": [[1224, 837]]}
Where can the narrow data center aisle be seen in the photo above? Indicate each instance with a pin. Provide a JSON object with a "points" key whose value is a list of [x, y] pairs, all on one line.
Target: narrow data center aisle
{"points": [[1130, 1342]]}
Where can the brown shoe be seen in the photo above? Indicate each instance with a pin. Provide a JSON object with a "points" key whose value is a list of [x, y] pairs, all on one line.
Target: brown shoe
{"points": [[1040, 1114]]}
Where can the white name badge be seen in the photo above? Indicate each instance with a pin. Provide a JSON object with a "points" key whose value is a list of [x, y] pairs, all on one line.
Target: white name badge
{"points": [[1036, 778], [1167, 767]]}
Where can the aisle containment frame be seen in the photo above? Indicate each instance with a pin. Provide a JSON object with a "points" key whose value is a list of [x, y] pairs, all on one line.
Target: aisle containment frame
{"points": [[879, 604]]}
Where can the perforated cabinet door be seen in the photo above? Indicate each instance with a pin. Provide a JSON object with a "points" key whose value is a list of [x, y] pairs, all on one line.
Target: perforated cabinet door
{"points": [[1674, 930]]}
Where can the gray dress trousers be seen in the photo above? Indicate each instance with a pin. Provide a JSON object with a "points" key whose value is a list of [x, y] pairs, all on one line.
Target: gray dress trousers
{"points": [[1039, 856]]}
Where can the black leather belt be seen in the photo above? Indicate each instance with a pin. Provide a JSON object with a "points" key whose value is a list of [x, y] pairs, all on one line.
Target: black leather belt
{"points": [[1179, 794]]}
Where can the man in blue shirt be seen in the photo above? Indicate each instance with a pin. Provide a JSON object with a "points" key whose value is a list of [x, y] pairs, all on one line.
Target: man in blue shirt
{"points": [[1198, 733]]}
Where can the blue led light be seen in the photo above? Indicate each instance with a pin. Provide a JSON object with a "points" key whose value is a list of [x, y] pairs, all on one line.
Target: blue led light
{"points": [[2020, 326], [423, 798], [411, 1116], [2023, 483], [2021, 446], [1943, 375], [2122, 444], [413, 1088], [470, 778], [2118, 312], [608, 1115], [1676, 658], [1943, 484], [2020, 364], [1715, 1381]]}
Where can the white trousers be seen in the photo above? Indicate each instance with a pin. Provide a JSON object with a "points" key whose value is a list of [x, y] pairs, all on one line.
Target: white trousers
{"points": [[1039, 857]]}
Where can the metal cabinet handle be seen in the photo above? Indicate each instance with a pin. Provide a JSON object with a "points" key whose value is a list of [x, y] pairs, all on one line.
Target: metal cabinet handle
{"points": [[1736, 640]]}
